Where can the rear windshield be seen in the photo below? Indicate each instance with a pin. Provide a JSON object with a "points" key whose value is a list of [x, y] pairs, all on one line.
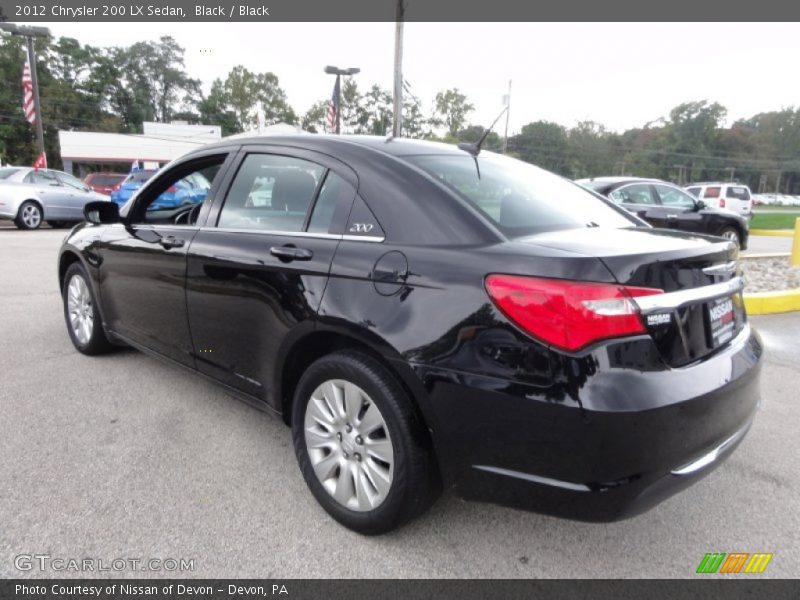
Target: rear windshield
{"points": [[105, 179], [518, 198], [7, 172], [738, 192]]}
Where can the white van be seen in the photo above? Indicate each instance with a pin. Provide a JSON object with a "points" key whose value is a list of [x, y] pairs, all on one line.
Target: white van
{"points": [[732, 196]]}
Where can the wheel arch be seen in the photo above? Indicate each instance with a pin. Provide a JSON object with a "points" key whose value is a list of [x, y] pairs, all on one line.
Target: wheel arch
{"points": [[36, 201]]}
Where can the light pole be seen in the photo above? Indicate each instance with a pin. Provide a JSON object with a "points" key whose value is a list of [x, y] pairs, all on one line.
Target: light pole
{"points": [[339, 72], [29, 33]]}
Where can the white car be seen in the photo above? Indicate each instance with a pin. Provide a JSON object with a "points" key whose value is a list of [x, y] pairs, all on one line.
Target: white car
{"points": [[29, 196], [731, 196]]}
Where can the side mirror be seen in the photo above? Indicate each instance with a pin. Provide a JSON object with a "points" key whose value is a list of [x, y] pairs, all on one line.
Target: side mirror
{"points": [[101, 212], [700, 204]]}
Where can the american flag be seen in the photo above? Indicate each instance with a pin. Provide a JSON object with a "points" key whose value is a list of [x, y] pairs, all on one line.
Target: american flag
{"points": [[333, 107], [27, 93]]}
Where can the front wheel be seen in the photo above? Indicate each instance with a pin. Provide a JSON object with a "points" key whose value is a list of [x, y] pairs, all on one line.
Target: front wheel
{"points": [[729, 233], [360, 446], [84, 323], [29, 215]]}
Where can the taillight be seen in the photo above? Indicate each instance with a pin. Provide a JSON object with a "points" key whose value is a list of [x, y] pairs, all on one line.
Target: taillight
{"points": [[568, 314], [722, 202]]}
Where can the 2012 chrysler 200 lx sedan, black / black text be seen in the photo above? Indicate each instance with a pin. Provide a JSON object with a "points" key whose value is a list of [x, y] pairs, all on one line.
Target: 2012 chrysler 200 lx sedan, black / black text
{"points": [[427, 316]]}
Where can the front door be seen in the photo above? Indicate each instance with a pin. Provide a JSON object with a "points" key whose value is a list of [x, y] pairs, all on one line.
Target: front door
{"points": [[143, 260], [258, 270], [680, 209]]}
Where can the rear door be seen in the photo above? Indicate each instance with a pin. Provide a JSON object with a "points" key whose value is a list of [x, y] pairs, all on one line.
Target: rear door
{"points": [[737, 199], [49, 190], [258, 269]]}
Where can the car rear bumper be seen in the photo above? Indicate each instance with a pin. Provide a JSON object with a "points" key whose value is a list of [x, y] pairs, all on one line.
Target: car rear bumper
{"points": [[626, 440]]}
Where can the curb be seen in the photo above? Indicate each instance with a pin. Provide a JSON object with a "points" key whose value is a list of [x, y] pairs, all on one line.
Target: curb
{"points": [[745, 256], [773, 232], [768, 303]]}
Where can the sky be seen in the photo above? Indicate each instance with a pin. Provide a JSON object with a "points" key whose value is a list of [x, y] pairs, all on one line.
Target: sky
{"points": [[622, 75]]}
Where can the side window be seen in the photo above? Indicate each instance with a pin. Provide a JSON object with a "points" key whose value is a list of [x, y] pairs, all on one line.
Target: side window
{"points": [[335, 194], [674, 197], [271, 193], [638, 193], [711, 192], [41, 178], [176, 198], [70, 181], [738, 192], [694, 191]]}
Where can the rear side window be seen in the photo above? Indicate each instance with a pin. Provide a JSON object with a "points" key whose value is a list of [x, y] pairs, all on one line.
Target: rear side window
{"points": [[738, 192], [711, 192], [639, 193], [694, 191], [271, 193], [335, 195], [41, 177]]}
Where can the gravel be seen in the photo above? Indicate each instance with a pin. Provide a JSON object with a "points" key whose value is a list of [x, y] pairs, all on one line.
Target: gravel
{"points": [[770, 274]]}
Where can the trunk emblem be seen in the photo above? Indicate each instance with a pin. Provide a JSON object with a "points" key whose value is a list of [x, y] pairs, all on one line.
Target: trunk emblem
{"points": [[722, 269]]}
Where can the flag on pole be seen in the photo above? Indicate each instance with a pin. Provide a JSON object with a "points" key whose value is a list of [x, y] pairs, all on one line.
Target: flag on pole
{"points": [[333, 107], [27, 93], [41, 162]]}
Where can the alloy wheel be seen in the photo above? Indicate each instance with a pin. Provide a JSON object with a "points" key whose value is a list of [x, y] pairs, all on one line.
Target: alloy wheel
{"points": [[80, 310], [349, 445], [31, 216]]}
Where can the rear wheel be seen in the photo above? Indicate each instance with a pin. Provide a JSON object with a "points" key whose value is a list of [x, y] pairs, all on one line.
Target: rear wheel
{"points": [[84, 324], [29, 215], [360, 447], [730, 233]]}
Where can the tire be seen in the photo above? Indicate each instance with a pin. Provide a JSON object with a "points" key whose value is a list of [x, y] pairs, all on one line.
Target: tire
{"points": [[384, 485], [29, 215], [84, 324], [730, 233], [58, 224]]}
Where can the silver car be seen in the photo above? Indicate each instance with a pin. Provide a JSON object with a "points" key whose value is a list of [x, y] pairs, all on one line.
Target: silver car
{"points": [[29, 196]]}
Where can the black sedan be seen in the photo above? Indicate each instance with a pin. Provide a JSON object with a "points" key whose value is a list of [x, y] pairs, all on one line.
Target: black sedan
{"points": [[426, 316], [665, 205]]}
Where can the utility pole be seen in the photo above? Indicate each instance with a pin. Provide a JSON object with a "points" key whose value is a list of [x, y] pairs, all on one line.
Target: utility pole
{"points": [[508, 112], [397, 109], [732, 170], [29, 33]]}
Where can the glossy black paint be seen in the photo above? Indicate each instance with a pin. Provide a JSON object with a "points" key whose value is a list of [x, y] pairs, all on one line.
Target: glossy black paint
{"points": [[700, 219], [591, 435]]}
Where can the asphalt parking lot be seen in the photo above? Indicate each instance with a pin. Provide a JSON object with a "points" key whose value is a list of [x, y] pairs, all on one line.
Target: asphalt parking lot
{"points": [[123, 456]]}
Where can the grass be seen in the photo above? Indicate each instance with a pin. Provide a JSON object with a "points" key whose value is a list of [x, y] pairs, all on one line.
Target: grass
{"points": [[776, 207], [773, 221]]}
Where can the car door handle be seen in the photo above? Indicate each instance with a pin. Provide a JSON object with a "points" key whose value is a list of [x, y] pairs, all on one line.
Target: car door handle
{"points": [[290, 253], [672, 216], [170, 241]]}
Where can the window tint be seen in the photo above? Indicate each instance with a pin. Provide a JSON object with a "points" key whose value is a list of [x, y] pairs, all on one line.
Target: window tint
{"points": [[638, 193], [271, 193], [738, 192], [518, 198], [334, 192], [674, 197], [711, 192], [42, 177]]}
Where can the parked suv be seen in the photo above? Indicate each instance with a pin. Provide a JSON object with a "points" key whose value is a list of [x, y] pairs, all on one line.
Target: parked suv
{"points": [[731, 196]]}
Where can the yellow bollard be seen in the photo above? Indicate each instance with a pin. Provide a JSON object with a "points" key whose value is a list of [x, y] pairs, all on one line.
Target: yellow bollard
{"points": [[795, 258]]}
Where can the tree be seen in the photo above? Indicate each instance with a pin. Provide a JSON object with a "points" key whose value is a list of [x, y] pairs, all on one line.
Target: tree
{"points": [[214, 109], [544, 144], [353, 114], [316, 118], [452, 106], [245, 90], [377, 111]]}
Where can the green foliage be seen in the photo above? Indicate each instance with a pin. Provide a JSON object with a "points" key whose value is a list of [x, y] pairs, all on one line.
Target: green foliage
{"points": [[452, 108]]}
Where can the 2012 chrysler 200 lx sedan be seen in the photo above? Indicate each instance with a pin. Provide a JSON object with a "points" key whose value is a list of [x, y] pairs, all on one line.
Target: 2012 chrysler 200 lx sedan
{"points": [[424, 316]]}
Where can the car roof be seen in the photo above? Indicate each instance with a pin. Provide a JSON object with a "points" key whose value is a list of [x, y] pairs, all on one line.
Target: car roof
{"points": [[329, 142], [702, 183], [605, 184]]}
